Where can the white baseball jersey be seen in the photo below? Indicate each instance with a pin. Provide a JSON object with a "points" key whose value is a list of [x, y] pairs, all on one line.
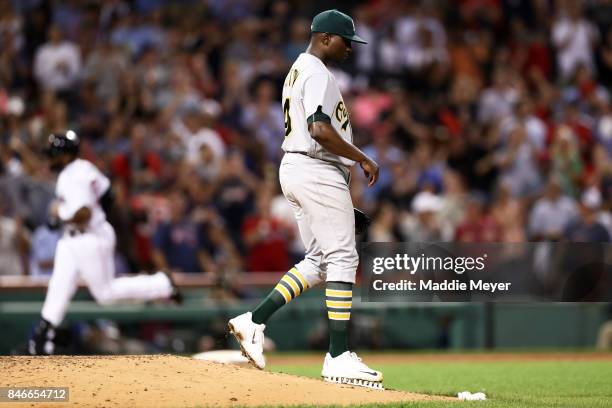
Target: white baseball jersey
{"points": [[89, 254], [81, 184], [310, 87]]}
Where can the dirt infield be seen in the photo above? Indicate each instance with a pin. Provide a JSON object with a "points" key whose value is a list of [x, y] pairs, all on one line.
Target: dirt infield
{"points": [[170, 381]]}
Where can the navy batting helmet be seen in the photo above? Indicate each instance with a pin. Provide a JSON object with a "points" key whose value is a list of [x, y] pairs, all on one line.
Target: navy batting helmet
{"points": [[63, 143]]}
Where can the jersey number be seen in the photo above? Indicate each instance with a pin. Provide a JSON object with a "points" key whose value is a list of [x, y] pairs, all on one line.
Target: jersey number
{"points": [[287, 117]]}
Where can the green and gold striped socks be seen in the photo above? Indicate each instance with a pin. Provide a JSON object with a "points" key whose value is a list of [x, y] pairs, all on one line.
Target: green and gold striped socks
{"points": [[291, 285], [338, 299]]}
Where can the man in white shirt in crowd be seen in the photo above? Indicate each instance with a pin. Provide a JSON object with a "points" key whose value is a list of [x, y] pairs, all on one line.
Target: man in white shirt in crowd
{"points": [[14, 245], [192, 130], [574, 38], [552, 213], [57, 63]]}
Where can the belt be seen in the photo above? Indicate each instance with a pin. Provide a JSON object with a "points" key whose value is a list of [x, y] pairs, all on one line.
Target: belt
{"points": [[74, 231], [302, 153], [345, 170]]}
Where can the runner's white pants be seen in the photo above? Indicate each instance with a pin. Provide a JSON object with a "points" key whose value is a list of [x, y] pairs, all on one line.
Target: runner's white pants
{"points": [[90, 256], [319, 195]]}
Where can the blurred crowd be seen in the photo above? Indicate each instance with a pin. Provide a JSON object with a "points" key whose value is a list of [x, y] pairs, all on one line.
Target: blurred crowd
{"points": [[491, 120]]}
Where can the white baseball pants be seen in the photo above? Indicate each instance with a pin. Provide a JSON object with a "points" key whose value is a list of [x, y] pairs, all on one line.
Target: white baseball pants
{"points": [[319, 195], [90, 256]]}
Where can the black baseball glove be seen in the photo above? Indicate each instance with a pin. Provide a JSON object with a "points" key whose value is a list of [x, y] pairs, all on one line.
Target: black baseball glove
{"points": [[362, 221]]}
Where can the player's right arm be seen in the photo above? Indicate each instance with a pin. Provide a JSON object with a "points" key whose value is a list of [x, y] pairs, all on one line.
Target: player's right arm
{"points": [[324, 133], [81, 217]]}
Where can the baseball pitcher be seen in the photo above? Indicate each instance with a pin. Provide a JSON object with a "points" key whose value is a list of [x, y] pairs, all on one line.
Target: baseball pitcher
{"points": [[314, 176]]}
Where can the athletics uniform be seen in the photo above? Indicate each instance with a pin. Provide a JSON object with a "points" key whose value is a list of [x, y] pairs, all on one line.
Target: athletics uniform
{"points": [[314, 180]]}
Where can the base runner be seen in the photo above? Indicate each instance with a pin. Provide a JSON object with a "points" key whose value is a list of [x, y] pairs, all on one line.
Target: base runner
{"points": [[87, 247]]}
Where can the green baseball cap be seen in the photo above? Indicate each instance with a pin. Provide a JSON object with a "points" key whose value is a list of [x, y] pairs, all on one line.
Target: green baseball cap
{"points": [[335, 22]]}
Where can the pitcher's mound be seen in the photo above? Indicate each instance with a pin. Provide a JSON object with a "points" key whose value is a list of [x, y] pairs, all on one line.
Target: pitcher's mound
{"points": [[170, 381]]}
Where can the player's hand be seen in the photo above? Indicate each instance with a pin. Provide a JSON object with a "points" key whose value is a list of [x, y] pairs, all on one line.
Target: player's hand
{"points": [[81, 218], [54, 209], [370, 169]]}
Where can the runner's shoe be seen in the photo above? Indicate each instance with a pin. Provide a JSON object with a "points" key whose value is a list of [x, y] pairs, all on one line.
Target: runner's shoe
{"points": [[42, 342]]}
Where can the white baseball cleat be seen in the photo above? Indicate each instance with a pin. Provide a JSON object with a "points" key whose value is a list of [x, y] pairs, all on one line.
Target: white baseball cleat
{"points": [[347, 368], [250, 336]]}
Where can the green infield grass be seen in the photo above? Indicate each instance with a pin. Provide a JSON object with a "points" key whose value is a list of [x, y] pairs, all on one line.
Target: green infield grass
{"points": [[515, 384]]}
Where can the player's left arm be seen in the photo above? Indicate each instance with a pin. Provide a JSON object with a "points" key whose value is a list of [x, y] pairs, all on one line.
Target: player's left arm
{"points": [[319, 96], [324, 133]]}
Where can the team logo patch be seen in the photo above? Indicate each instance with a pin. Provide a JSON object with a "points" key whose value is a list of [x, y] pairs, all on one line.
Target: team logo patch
{"points": [[341, 114]]}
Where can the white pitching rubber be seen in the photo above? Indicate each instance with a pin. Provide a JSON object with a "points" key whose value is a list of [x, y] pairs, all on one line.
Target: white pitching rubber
{"points": [[353, 381]]}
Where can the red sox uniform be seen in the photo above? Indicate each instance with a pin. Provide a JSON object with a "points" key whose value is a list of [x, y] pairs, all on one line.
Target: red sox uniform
{"points": [[88, 253]]}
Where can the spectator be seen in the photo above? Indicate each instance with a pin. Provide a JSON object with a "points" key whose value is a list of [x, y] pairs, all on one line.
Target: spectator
{"points": [[298, 39], [566, 161], [235, 193], [430, 171], [14, 246], [263, 117], [452, 210], [603, 128], [136, 32], [429, 48], [478, 226], [518, 165], [551, 214], [535, 128], [389, 56], [587, 228], [508, 213], [265, 238], [497, 101], [44, 242], [218, 253], [177, 242], [139, 168], [365, 58], [29, 190], [195, 136], [104, 67], [386, 155], [281, 209], [57, 64], [574, 38], [384, 225], [424, 225], [605, 59]]}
